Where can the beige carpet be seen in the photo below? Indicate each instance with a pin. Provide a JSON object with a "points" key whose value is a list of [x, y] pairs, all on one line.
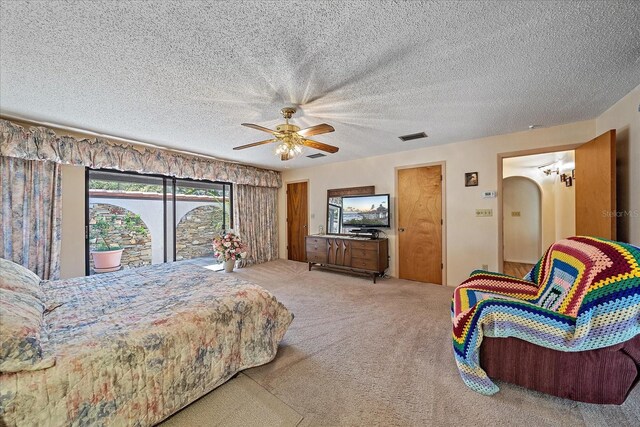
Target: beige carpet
{"points": [[238, 402], [365, 354]]}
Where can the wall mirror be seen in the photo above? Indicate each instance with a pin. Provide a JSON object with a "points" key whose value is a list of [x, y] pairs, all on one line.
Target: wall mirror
{"points": [[334, 205]]}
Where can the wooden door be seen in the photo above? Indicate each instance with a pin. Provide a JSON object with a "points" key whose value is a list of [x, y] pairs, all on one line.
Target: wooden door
{"points": [[596, 187], [420, 224], [297, 214]]}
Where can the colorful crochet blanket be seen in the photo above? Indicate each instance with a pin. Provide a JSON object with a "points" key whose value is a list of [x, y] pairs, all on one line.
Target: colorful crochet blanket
{"points": [[583, 294]]}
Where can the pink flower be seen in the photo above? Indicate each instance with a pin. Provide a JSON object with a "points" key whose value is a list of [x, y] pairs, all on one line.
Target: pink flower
{"points": [[228, 246]]}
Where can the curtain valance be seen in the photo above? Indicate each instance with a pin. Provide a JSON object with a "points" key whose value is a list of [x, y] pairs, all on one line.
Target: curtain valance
{"points": [[41, 143]]}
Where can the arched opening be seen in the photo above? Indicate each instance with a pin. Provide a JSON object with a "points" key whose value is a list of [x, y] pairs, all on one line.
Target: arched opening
{"points": [[196, 230], [522, 220], [122, 228]]}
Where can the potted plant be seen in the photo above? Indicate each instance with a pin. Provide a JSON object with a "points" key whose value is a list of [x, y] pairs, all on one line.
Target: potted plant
{"points": [[228, 248], [106, 253]]}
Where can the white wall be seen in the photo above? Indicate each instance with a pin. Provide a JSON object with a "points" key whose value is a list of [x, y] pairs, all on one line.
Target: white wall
{"points": [[72, 256], [522, 233], [624, 116], [471, 241], [565, 201]]}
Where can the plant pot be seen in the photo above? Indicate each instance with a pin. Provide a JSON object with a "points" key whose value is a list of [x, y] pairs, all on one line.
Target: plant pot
{"points": [[229, 265], [104, 261]]}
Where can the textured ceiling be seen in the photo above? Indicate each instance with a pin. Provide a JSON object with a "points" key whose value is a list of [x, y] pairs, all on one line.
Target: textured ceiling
{"points": [[186, 74]]}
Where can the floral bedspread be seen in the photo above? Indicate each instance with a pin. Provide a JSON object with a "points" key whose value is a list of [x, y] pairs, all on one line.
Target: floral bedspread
{"points": [[135, 346]]}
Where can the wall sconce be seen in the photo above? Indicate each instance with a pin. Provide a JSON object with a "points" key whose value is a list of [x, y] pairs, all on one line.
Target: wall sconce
{"points": [[563, 177], [568, 182]]}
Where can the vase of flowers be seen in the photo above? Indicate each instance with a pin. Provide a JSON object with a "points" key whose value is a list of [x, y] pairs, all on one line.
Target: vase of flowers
{"points": [[228, 248]]}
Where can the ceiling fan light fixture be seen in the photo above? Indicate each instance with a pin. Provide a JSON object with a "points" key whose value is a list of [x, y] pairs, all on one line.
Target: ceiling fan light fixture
{"points": [[290, 145], [290, 139]]}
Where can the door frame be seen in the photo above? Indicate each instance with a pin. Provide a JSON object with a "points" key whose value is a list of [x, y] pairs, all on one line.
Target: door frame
{"points": [[443, 190], [286, 207], [506, 155]]}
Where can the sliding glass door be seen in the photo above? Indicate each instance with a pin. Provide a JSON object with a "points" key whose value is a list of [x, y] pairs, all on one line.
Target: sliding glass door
{"points": [[138, 220]]}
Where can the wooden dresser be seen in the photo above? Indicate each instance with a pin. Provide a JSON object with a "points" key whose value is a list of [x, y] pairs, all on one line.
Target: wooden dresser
{"points": [[348, 253]]}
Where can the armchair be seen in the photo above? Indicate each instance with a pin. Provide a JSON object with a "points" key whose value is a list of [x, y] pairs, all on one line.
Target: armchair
{"points": [[578, 307]]}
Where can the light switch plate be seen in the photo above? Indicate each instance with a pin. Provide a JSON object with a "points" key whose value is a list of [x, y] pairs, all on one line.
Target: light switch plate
{"points": [[515, 213], [484, 212]]}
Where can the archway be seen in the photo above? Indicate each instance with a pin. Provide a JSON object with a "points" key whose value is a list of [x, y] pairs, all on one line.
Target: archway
{"points": [[522, 222], [196, 230], [125, 229]]}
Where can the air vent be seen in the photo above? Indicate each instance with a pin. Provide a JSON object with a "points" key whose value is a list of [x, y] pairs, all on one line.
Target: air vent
{"points": [[413, 136], [315, 156]]}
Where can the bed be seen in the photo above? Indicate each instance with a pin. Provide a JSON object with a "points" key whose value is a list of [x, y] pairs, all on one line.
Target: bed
{"points": [[127, 348]]}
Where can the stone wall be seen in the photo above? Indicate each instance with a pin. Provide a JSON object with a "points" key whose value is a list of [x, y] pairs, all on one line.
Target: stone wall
{"points": [[196, 230], [137, 246]]}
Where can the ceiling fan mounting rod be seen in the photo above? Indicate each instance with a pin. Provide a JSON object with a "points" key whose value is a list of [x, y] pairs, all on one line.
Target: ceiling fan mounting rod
{"points": [[287, 128], [287, 112]]}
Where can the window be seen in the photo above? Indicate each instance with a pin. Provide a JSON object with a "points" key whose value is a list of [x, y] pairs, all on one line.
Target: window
{"points": [[151, 219]]}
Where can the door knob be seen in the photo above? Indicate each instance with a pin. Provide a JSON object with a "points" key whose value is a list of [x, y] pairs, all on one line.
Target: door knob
{"points": [[401, 229]]}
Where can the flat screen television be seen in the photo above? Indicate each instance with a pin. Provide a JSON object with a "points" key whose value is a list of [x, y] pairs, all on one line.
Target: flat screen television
{"points": [[366, 211]]}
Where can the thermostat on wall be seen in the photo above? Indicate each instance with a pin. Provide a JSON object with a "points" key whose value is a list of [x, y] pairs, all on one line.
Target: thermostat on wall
{"points": [[489, 194]]}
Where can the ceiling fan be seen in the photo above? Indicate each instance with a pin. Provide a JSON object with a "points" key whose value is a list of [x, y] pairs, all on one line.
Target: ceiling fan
{"points": [[290, 138]]}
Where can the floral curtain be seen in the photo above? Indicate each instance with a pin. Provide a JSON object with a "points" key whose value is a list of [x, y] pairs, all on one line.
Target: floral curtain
{"points": [[256, 217], [40, 143], [31, 214]]}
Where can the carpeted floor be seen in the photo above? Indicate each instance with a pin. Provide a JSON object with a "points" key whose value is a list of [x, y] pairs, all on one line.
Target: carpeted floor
{"points": [[365, 354]]}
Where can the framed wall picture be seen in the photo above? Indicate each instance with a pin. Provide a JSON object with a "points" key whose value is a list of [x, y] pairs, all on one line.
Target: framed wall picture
{"points": [[471, 179]]}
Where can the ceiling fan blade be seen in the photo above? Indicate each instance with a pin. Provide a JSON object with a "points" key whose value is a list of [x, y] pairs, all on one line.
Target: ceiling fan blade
{"points": [[258, 127], [316, 130], [254, 144], [320, 146]]}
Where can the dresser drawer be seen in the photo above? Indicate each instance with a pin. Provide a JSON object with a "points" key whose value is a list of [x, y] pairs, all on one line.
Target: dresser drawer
{"points": [[364, 263], [364, 245], [312, 247], [315, 244], [368, 253], [316, 240], [319, 257]]}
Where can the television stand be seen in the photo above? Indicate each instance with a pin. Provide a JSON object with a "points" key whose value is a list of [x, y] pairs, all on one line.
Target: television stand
{"points": [[348, 253]]}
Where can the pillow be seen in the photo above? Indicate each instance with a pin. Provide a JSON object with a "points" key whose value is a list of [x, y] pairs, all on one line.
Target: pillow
{"points": [[21, 332], [17, 278]]}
